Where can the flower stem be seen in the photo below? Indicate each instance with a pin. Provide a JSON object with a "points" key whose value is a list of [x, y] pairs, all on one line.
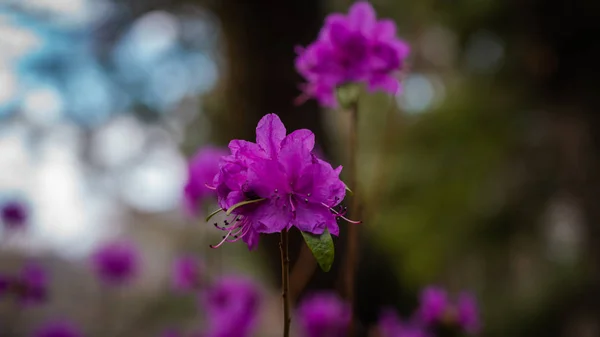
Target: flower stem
{"points": [[285, 280], [355, 211]]}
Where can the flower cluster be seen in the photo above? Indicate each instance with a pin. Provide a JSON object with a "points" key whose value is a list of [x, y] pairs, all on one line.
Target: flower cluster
{"points": [[437, 309], [29, 286], [186, 273], [435, 315], [353, 48], [58, 329], [275, 184], [231, 304], [116, 263], [390, 325], [324, 315], [202, 168], [13, 215]]}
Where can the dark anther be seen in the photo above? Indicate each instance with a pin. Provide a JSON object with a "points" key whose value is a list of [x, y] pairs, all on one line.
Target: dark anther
{"points": [[216, 224], [251, 195], [224, 236], [235, 236], [306, 200]]}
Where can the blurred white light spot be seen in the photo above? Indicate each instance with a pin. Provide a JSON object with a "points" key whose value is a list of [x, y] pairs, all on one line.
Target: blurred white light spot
{"points": [[204, 73], [118, 141], [66, 11], [484, 52], [63, 7], [42, 105], [564, 231], [155, 184], [154, 33], [15, 41], [15, 160], [8, 84], [419, 94], [168, 83], [65, 218]]}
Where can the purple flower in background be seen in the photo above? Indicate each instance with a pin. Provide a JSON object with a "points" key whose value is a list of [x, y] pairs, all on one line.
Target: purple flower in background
{"points": [[390, 325], [186, 273], [434, 303], [171, 333], [58, 329], [31, 285], [6, 281], [353, 48], [468, 313], [277, 183], [202, 168], [436, 308], [116, 263], [324, 315], [232, 305], [14, 214]]}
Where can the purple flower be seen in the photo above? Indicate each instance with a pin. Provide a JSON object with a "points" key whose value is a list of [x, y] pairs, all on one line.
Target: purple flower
{"points": [[58, 329], [6, 281], [436, 308], [172, 333], [353, 48], [279, 183], [116, 263], [202, 168], [468, 313], [324, 315], [186, 273], [390, 325], [14, 214], [434, 303], [232, 304], [31, 285]]}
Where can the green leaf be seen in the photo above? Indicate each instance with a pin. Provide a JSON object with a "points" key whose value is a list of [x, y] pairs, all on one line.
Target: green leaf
{"points": [[240, 204], [322, 248], [348, 188]]}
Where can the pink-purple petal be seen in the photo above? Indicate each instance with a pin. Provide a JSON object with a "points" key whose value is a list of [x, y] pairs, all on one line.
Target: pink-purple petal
{"points": [[362, 16], [269, 134]]}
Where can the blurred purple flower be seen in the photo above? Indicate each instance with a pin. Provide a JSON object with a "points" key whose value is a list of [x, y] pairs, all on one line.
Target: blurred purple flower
{"points": [[282, 183], [324, 315], [116, 263], [468, 313], [436, 308], [202, 169], [58, 329], [434, 303], [6, 281], [31, 285], [232, 305], [186, 273], [390, 325], [14, 215], [171, 333], [353, 48]]}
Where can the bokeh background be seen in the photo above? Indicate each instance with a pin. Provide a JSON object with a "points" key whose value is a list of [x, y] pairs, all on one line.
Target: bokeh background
{"points": [[483, 175]]}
